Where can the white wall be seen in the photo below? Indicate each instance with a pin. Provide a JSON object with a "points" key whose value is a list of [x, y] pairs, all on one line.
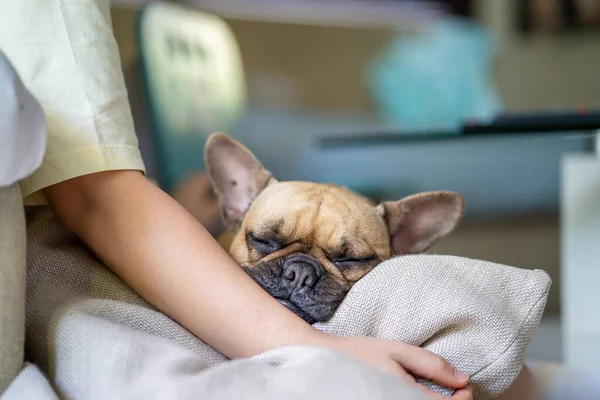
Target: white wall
{"points": [[580, 259]]}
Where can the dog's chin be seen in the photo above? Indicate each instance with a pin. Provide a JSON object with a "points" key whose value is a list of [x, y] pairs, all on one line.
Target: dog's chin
{"points": [[296, 310]]}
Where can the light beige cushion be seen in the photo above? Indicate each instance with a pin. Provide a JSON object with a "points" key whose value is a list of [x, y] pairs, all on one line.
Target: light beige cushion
{"points": [[478, 315], [12, 284]]}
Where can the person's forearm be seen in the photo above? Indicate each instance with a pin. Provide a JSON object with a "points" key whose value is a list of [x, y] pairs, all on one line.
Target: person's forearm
{"points": [[153, 244]]}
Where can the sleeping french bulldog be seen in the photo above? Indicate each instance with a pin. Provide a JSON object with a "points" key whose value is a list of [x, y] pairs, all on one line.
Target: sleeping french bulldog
{"points": [[307, 243]]}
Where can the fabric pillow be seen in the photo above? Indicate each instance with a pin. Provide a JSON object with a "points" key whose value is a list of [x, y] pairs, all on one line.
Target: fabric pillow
{"points": [[12, 284], [480, 316]]}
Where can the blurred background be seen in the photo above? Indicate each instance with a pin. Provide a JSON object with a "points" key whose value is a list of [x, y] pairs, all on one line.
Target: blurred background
{"points": [[497, 100]]}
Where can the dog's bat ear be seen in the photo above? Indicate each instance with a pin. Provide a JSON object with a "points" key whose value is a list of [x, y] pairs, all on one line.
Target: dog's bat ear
{"points": [[236, 175], [417, 222]]}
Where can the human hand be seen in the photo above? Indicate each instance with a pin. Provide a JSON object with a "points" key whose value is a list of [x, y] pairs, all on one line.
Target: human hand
{"points": [[403, 361]]}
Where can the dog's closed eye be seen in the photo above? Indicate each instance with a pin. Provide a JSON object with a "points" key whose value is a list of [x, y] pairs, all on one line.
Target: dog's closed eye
{"points": [[263, 245], [346, 262]]}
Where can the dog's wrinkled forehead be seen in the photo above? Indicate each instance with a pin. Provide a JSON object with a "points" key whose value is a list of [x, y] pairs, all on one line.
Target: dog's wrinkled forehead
{"points": [[320, 215]]}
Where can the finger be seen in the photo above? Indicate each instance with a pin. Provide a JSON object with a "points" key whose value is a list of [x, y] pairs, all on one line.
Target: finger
{"points": [[465, 393], [428, 365], [396, 370]]}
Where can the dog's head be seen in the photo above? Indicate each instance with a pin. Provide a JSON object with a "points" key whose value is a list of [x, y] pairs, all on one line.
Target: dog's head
{"points": [[306, 243]]}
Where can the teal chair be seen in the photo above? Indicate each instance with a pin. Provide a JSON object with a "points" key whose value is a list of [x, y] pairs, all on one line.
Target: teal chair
{"points": [[194, 85]]}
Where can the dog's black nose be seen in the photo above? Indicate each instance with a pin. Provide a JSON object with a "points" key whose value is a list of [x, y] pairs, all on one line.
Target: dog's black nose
{"points": [[302, 271]]}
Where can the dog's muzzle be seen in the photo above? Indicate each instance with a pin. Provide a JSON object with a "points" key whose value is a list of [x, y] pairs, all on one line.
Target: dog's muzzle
{"points": [[300, 283]]}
